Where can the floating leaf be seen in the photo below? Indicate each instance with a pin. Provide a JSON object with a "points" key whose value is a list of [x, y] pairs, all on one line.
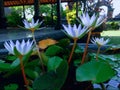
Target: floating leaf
{"points": [[5, 67], [11, 57], [54, 78], [54, 63], [33, 63], [114, 47], [15, 63], [95, 71], [31, 73], [53, 50], [11, 87]]}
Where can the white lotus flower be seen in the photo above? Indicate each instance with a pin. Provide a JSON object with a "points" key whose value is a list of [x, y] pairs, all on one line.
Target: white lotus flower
{"points": [[75, 32], [23, 47], [9, 46], [93, 21], [99, 41], [32, 24]]}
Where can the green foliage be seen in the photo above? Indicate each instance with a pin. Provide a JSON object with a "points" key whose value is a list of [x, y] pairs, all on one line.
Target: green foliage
{"points": [[56, 67], [14, 66], [45, 9], [14, 19], [17, 53], [50, 15], [31, 73], [54, 78], [71, 14], [49, 21], [113, 25], [71, 17], [44, 58], [11, 87], [5, 67], [55, 58], [95, 71], [53, 50], [113, 59], [79, 49], [64, 42], [11, 57], [18, 9], [29, 10], [54, 63]]}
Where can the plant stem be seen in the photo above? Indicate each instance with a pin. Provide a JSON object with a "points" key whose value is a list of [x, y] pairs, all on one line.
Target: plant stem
{"points": [[71, 54], [39, 55], [86, 47], [102, 86], [98, 52], [23, 72]]}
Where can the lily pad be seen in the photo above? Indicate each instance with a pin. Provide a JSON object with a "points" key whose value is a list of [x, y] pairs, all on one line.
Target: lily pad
{"points": [[95, 71], [54, 78]]}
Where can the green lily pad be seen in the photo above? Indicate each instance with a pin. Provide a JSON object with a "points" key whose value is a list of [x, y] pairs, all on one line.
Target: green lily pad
{"points": [[95, 71], [54, 78]]}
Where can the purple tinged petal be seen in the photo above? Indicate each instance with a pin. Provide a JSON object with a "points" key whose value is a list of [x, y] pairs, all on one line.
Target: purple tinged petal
{"points": [[87, 16], [22, 44], [64, 29], [67, 29], [70, 30], [79, 30], [82, 19], [91, 21], [26, 24], [32, 23], [93, 40], [24, 49], [74, 31], [28, 42], [36, 23], [86, 20], [99, 41], [8, 47], [12, 45], [18, 46], [41, 22], [100, 20], [93, 18], [79, 27], [29, 46]]}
